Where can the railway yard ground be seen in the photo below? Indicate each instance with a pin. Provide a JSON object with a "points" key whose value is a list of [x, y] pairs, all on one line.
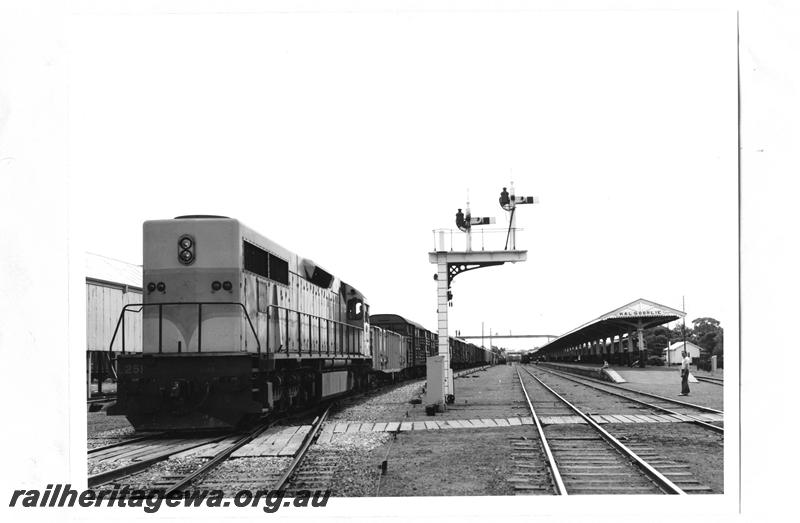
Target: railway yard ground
{"points": [[383, 443]]}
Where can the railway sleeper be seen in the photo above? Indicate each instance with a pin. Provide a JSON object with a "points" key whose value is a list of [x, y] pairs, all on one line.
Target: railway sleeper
{"points": [[606, 489], [592, 474]]}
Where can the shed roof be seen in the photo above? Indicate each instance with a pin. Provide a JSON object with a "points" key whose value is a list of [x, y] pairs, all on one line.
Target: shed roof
{"points": [[621, 320], [395, 318], [108, 270], [679, 344]]}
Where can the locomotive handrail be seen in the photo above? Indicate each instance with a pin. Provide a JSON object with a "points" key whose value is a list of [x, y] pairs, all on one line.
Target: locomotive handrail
{"points": [[121, 319], [348, 329], [199, 320]]}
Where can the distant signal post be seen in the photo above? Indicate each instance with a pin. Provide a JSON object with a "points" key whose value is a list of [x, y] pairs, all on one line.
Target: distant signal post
{"points": [[450, 263]]}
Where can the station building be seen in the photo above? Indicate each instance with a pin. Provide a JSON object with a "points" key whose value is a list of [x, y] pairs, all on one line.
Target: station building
{"points": [[673, 355]]}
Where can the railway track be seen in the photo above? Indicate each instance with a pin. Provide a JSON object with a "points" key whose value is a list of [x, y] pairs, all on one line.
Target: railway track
{"points": [[710, 379], [584, 458], [535, 469], [102, 399], [130, 441], [97, 403], [140, 455], [272, 479], [314, 474], [702, 416]]}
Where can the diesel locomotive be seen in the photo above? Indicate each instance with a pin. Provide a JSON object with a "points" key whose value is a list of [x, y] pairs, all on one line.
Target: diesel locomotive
{"points": [[235, 326]]}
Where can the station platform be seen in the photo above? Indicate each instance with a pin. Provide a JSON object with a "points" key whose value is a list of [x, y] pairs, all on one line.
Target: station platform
{"points": [[647, 375], [665, 381]]}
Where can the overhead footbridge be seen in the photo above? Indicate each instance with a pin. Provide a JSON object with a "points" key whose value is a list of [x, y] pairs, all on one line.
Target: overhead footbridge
{"points": [[616, 337]]}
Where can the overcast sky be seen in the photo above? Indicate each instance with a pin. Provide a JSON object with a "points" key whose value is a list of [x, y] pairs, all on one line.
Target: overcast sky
{"points": [[348, 138]]}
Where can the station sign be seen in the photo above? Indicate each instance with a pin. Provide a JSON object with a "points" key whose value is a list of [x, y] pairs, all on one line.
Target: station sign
{"points": [[643, 308], [630, 313]]}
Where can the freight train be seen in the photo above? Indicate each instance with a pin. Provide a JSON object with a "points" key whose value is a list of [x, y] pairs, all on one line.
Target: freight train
{"points": [[234, 327]]}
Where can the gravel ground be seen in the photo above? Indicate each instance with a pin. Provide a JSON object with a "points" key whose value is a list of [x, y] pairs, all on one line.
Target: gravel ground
{"points": [[430, 463], [109, 437], [463, 462], [147, 478], [105, 430], [99, 423], [245, 473], [490, 393], [384, 405], [485, 393], [359, 456]]}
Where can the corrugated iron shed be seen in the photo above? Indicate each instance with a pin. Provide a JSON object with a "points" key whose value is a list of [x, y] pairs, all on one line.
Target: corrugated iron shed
{"points": [[113, 272]]}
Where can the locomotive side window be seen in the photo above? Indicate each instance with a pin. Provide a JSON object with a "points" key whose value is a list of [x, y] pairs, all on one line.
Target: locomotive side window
{"points": [[255, 259], [278, 270], [321, 278], [264, 264], [355, 309]]}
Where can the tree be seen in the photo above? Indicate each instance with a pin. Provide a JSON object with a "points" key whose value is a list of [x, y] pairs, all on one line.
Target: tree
{"points": [[676, 334], [707, 333], [656, 339]]}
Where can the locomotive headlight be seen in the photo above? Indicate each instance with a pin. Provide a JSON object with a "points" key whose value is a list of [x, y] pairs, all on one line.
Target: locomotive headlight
{"points": [[151, 287], [227, 286], [186, 249], [161, 286], [216, 286]]}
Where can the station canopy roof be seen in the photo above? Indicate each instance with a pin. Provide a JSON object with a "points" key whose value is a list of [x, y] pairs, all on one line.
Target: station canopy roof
{"points": [[640, 313]]}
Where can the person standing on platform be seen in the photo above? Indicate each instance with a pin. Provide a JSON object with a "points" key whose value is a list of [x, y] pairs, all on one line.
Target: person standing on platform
{"points": [[685, 374]]}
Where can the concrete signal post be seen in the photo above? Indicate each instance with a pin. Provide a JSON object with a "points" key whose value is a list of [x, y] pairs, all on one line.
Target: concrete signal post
{"points": [[450, 263]]}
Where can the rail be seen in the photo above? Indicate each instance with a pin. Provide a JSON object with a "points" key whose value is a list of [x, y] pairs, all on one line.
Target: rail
{"points": [[561, 489], [301, 453]]}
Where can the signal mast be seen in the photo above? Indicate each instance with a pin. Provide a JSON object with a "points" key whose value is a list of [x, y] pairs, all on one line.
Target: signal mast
{"points": [[450, 263]]}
